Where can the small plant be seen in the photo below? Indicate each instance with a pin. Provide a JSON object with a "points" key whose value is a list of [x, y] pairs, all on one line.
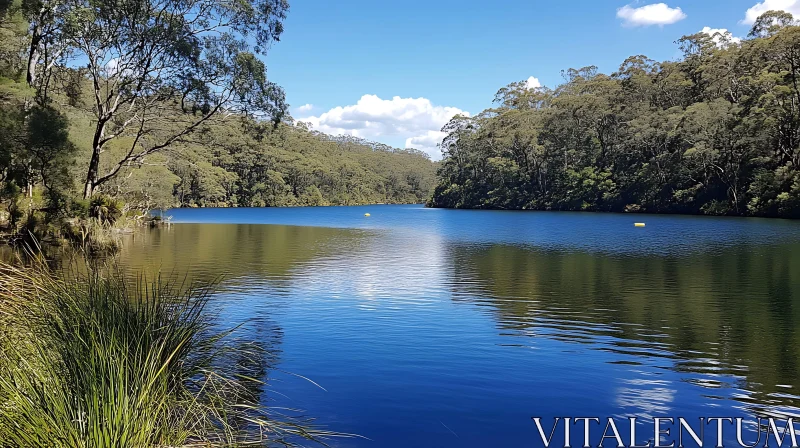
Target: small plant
{"points": [[34, 227], [15, 213], [106, 209]]}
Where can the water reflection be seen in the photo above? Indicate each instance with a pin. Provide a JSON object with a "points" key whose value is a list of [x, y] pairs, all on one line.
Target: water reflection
{"points": [[241, 254], [723, 319], [457, 328]]}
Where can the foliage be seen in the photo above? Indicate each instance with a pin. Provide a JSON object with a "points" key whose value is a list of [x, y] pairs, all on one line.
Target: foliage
{"points": [[291, 166], [99, 360], [199, 125], [144, 59], [717, 132], [35, 146], [105, 209], [92, 235]]}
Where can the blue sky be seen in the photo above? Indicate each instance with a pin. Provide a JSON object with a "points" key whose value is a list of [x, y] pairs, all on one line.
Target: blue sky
{"points": [[441, 57]]}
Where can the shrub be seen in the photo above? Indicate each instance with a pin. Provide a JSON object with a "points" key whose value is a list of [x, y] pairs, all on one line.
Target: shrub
{"points": [[92, 235], [106, 209], [716, 208]]}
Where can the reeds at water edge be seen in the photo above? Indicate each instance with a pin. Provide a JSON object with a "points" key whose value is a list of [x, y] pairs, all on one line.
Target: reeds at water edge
{"points": [[96, 360]]}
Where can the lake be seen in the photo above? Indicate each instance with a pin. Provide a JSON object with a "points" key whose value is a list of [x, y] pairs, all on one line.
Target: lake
{"points": [[446, 328]]}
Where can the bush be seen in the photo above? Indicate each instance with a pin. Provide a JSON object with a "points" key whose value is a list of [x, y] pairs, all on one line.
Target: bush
{"points": [[106, 209], [34, 226], [92, 235], [716, 208]]}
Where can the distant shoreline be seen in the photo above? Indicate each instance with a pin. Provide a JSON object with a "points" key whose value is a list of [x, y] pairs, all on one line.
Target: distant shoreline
{"points": [[617, 212], [305, 206]]}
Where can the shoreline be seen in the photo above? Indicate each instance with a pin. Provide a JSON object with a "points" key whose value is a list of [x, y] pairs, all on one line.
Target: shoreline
{"points": [[641, 213]]}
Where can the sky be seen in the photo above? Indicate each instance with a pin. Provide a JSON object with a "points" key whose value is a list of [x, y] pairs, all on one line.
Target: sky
{"points": [[397, 71]]}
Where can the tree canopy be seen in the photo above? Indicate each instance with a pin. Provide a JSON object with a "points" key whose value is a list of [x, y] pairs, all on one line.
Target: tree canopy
{"points": [[164, 103], [716, 132]]}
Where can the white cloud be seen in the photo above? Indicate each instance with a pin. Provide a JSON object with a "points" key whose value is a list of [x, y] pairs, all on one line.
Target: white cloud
{"points": [[721, 36], [427, 142], [790, 6], [656, 14], [305, 108], [112, 66], [415, 120], [533, 83]]}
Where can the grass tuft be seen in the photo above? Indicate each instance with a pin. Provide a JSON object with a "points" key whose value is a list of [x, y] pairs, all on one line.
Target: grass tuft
{"points": [[92, 360]]}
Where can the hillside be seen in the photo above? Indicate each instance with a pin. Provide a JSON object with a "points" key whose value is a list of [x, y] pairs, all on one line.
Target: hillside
{"points": [[716, 132]]}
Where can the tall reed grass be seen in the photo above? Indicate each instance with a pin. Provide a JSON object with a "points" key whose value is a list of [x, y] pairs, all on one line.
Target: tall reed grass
{"points": [[95, 360], [94, 235]]}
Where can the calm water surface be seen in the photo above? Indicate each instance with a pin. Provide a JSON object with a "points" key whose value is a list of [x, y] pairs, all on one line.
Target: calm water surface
{"points": [[442, 328]]}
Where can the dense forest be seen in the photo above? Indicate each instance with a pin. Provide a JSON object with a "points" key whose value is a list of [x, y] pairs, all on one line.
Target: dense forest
{"points": [[716, 132], [113, 108]]}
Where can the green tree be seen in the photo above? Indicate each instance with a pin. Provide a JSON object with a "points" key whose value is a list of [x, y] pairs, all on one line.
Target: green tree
{"points": [[715, 132], [187, 60]]}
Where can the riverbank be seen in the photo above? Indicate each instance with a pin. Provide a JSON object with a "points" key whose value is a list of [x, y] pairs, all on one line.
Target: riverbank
{"points": [[350, 204], [632, 210], [100, 227]]}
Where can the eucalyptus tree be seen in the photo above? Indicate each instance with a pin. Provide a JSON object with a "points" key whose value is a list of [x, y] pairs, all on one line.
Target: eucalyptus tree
{"points": [[13, 31], [715, 132], [160, 69], [771, 22], [36, 144]]}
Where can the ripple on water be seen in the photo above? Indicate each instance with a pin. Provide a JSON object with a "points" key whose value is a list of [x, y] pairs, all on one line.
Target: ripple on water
{"points": [[424, 323]]}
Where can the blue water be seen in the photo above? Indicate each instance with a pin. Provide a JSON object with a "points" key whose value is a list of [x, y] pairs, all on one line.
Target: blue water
{"points": [[443, 328]]}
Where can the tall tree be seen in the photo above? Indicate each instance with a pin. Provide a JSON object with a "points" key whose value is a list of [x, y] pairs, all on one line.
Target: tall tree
{"points": [[147, 59]]}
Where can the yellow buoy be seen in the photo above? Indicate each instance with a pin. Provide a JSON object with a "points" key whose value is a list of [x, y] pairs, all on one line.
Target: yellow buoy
{"points": [[639, 224], [367, 215]]}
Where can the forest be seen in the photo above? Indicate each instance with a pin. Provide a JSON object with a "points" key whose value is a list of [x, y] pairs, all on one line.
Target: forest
{"points": [[109, 109], [716, 132]]}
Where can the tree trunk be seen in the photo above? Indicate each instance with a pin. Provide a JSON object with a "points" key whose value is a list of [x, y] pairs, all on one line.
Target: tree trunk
{"points": [[88, 190], [91, 175], [33, 55], [30, 77]]}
